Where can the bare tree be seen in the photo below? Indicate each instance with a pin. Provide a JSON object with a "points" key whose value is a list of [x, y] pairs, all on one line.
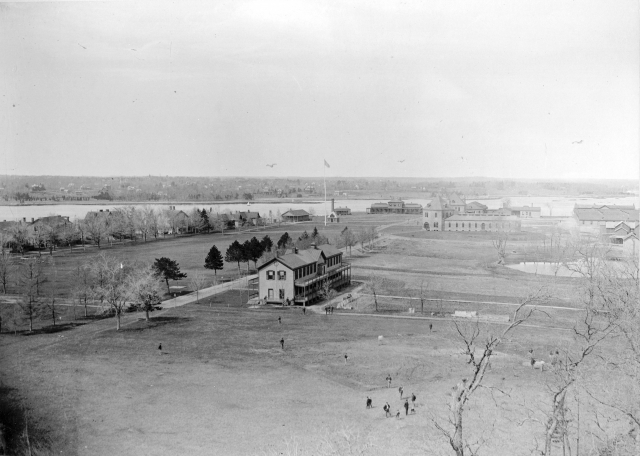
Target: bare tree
{"points": [[115, 287], [50, 306], [143, 288], [31, 279], [499, 242], [7, 264], [374, 284], [96, 229], [478, 356], [84, 285], [198, 281]]}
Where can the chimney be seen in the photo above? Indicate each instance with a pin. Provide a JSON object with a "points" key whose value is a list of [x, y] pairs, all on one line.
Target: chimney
{"points": [[295, 250], [332, 204]]}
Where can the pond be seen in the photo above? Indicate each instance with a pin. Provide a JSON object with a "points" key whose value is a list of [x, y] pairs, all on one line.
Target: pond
{"points": [[544, 268], [561, 270]]}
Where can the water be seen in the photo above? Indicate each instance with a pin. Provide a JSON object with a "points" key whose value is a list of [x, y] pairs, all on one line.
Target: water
{"points": [[559, 269], [544, 268], [556, 206]]}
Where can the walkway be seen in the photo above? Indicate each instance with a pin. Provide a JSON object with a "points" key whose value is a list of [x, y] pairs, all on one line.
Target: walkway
{"points": [[206, 292]]}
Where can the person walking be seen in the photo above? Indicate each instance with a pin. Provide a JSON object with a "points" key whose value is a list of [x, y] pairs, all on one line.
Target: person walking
{"points": [[387, 409], [282, 343], [430, 326], [304, 310], [160, 348], [401, 390], [280, 320], [413, 408], [369, 402], [406, 407], [345, 358], [389, 381], [413, 398]]}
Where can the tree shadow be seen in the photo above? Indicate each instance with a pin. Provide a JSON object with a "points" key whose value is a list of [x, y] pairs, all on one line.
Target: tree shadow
{"points": [[51, 329], [153, 322]]}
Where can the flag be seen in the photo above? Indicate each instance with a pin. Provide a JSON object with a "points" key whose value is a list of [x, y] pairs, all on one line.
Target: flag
{"points": [[326, 164]]}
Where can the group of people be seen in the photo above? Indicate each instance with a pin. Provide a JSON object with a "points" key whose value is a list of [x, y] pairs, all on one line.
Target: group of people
{"points": [[408, 407], [328, 310]]}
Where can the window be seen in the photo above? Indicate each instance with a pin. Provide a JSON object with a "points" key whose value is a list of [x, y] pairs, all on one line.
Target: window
{"points": [[476, 225], [281, 293], [462, 224], [489, 225], [282, 275], [435, 224], [482, 226], [270, 293], [271, 275], [456, 224], [435, 214], [449, 225]]}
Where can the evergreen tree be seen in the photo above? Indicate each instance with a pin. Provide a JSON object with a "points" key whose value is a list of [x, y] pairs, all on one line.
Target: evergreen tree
{"points": [[267, 244], [235, 253], [314, 234], [214, 260], [254, 250], [304, 236], [205, 220], [168, 270], [284, 240]]}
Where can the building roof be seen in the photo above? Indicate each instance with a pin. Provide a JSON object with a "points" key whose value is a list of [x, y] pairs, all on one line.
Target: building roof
{"points": [[296, 213], [456, 200], [51, 219], [606, 214], [250, 214], [6, 225], [481, 218], [525, 208], [304, 257], [474, 205], [605, 206], [409, 205], [380, 205], [342, 208], [329, 250], [437, 204]]}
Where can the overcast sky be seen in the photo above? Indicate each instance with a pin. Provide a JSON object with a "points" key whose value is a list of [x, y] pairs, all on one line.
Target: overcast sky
{"points": [[501, 89]]}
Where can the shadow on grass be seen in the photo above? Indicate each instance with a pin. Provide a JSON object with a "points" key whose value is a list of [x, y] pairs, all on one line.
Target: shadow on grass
{"points": [[12, 417], [51, 329], [153, 322]]}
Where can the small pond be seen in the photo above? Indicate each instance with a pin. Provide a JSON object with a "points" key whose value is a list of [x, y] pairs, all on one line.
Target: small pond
{"points": [[559, 269], [544, 268]]}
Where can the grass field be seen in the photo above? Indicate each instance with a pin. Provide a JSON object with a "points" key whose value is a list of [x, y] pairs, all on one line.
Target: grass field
{"points": [[223, 384], [189, 251]]}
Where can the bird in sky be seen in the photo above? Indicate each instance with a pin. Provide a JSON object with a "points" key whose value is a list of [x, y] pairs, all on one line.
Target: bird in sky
{"points": [[577, 142], [401, 161], [81, 46], [271, 166]]}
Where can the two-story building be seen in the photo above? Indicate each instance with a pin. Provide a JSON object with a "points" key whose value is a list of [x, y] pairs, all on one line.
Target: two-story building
{"points": [[299, 276], [435, 213], [395, 207]]}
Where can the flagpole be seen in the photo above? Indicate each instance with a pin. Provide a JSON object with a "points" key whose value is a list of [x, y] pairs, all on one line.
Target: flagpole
{"points": [[324, 179]]}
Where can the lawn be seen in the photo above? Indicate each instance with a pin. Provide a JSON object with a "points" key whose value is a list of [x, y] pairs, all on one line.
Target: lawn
{"points": [[223, 385]]}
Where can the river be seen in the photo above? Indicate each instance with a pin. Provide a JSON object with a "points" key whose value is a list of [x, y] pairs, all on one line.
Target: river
{"points": [[556, 206]]}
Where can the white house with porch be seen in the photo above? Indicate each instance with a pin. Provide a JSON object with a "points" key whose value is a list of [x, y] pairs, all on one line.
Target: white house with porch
{"points": [[299, 276]]}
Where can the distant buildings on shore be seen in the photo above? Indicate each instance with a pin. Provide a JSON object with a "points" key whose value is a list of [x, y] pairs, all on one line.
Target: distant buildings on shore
{"points": [[395, 207], [453, 213]]}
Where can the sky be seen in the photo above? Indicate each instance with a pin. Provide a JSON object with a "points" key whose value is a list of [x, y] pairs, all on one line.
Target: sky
{"points": [[527, 89]]}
